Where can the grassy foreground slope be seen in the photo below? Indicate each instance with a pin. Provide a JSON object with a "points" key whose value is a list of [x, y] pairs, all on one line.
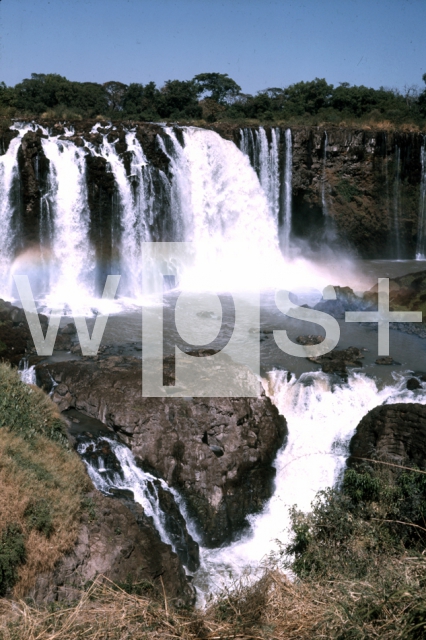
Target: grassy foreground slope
{"points": [[357, 560], [42, 483]]}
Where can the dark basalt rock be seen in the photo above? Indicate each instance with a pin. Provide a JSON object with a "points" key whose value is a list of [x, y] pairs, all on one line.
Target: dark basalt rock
{"points": [[413, 384], [386, 360], [338, 360], [309, 340], [168, 435], [16, 341], [394, 433], [33, 169]]}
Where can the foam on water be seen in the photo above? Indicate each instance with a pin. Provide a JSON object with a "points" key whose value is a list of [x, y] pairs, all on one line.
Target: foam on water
{"points": [[321, 420]]}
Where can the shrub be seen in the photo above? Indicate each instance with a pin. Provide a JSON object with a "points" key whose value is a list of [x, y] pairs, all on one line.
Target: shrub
{"points": [[12, 554], [27, 410]]}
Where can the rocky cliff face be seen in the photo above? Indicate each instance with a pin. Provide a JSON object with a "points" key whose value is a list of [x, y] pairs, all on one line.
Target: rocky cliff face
{"points": [[364, 185], [216, 451], [394, 433], [119, 542], [366, 182]]}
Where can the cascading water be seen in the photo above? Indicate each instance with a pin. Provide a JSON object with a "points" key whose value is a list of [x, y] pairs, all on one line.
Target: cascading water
{"points": [[27, 373], [224, 211], [267, 161], [397, 203], [288, 178], [113, 470], [8, 175], [321, 420], [72, 261], [324, 177], [264, 157], [421, 232], [136, 209]]}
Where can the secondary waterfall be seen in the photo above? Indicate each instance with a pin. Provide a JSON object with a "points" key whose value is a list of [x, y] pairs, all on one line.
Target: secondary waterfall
{"points": [[9, 211], [324, 177], [72, 258], [264, 158], [288, 179], [397, 203], [114, 471], [321, 420], [421, 232]]}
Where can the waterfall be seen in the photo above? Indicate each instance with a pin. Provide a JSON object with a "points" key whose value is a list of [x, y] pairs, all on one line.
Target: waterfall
{"points": [[385, 160], [221, 207], [266, 163], [8, 175], [397, 203], [421, 233], [136, 207], [288, 177], [27, 373], [264, 158], [114, 471], [324, 177], [72, 262], [321, 420]]}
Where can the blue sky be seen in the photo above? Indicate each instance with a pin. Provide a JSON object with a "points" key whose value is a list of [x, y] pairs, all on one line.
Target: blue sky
{"points": [[259, 44]]}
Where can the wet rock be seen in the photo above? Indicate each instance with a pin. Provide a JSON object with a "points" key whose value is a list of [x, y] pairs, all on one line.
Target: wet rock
{"points": [[309, 340], [394, 433], [167, 435], [413, 384], [186, 548], [386, 360], [16, 341], [337, 360]]}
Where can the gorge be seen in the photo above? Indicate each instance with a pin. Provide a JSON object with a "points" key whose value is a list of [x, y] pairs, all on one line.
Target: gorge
{"points": [[300, 208]]}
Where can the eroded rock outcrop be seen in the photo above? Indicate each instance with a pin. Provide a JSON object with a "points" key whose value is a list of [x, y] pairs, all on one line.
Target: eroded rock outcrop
{"points": [[216, 451], [394, 433], [120, 543]]}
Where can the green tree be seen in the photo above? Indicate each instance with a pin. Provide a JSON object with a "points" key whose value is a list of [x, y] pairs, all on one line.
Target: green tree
{"points": [[140, 102], [115, 92], [422, 99], [307, 97], [217, 86], [179, 100]]}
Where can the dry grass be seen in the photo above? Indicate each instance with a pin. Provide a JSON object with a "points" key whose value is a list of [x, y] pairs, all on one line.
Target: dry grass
{"points": [[33, 472], [274, 608], [38, 474]]}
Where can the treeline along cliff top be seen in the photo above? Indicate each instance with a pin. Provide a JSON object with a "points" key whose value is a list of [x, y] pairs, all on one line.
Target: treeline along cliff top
{"points": [[212, 97]]}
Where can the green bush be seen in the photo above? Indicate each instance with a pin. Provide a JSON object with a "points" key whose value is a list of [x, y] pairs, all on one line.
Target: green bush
{"points": [[38, 515], [347, 190], [349, 530], [12, 554], [26, 410]]}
